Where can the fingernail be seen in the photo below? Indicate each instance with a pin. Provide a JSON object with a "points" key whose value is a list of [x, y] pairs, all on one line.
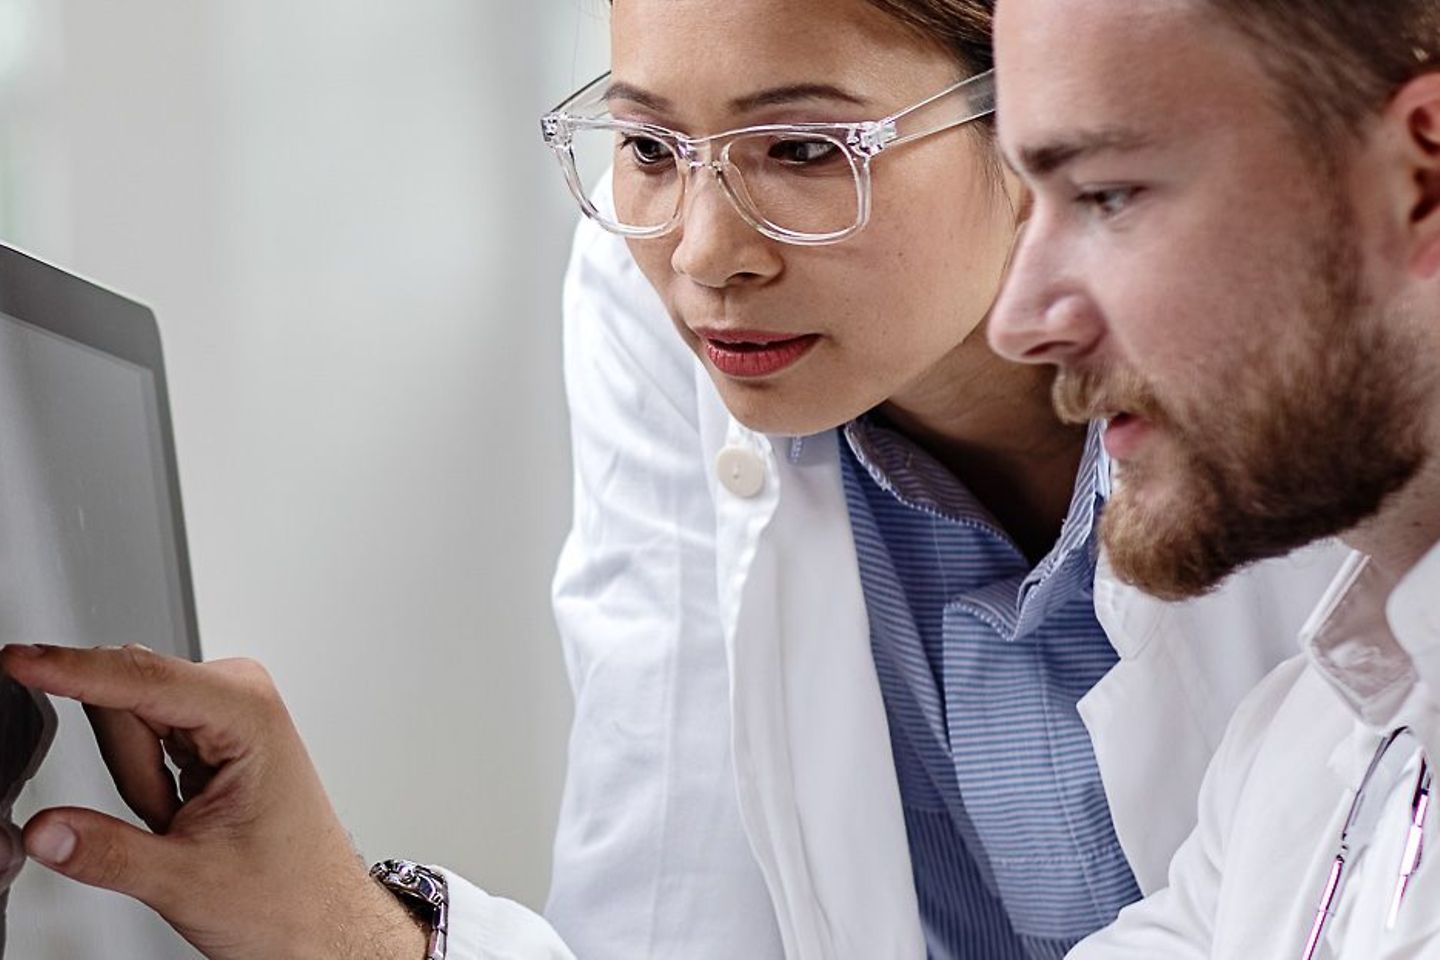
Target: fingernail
{"points": [[23, 650], [53, 844]]}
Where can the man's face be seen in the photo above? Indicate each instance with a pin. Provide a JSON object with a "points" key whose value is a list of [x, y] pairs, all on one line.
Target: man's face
{"points": [[1204, 284]]}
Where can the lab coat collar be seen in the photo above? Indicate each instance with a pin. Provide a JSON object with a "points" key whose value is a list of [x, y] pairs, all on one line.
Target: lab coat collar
{"points": [[1376, 642], [1351, 642], [1414, 613]]}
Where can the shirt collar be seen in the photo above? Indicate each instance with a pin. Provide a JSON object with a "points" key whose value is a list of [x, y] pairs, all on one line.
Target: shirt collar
{"points": [[1374, 639], [907, 472], [1350, 641]]}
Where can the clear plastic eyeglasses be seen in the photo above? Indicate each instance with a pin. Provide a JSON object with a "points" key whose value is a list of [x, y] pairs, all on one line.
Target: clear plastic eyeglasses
{"points": [[806, 183]]}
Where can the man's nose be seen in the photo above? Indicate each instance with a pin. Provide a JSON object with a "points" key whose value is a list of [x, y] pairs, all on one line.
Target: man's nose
{"points": [[1043, 315], [718, 247]]}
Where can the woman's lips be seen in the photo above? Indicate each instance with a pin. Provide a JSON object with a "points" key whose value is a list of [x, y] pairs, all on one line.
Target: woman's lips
{"points": [[749, 355], [1124, 433]]}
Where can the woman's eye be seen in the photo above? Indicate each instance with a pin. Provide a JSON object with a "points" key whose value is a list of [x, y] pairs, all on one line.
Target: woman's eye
{"points": [[803, 152], [1110, 202], [646, 151]]}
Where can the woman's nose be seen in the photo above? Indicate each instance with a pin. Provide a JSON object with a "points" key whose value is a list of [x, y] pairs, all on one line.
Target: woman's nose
{"points": [[718, 247]]}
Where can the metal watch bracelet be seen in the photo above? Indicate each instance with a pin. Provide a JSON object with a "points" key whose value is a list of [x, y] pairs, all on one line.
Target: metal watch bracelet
{"points": [[425, 892]]}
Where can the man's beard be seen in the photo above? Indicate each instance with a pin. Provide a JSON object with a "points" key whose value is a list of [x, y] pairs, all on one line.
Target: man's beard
{"points": [[1305, 439]]}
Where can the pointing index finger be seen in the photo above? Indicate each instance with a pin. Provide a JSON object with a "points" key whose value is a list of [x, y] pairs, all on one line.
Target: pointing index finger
{"points": [[159, 690]]}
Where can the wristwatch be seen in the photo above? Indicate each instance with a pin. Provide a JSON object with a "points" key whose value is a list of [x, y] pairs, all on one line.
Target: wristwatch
{"points": [[424, 891]]}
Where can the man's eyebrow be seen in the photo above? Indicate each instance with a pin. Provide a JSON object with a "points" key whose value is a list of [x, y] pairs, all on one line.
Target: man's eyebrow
{"points": [[773, 97], [1047, 159]]}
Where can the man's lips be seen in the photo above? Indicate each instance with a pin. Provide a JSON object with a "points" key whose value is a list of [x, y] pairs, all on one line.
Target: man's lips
{"points": [[752, 354], [1124, 435]]}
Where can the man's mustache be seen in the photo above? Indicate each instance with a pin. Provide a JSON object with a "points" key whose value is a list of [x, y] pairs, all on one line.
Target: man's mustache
{"points": [[1081, 396]]}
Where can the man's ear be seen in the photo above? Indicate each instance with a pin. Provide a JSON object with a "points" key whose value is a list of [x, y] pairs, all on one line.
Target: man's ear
{"points": [[1417, 110]]}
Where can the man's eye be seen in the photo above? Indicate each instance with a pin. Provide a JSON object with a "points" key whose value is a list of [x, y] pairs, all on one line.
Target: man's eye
{"points": [[803, 152], [647, 151], [1110, 202]]}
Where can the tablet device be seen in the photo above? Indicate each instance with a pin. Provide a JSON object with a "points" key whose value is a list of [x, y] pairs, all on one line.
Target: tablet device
{"points": [[92, 553]]}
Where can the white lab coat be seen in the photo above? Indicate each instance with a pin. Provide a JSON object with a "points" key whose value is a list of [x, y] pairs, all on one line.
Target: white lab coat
{"points": [[1248, 882], [731, 790]]}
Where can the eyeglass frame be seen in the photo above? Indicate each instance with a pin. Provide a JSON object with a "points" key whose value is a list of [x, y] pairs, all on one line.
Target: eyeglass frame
{"points": [[862, 140], [1414, 844]]}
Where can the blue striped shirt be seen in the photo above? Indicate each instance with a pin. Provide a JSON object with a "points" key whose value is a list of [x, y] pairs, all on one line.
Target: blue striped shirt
{"points": [[982, 661]]}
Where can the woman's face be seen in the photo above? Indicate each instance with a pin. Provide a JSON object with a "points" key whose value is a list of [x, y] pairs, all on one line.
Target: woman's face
{"points": [[860, 322]]}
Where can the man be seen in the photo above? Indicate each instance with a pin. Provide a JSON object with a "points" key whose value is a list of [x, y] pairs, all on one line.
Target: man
{"points": [[1234, 258]]}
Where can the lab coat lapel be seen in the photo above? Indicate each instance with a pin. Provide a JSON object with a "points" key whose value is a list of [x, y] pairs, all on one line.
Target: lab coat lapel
{"points": [[816, 778], [1184, 668]]}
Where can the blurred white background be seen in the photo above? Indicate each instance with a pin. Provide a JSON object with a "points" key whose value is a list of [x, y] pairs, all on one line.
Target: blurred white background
{"points": [[354, 240]]}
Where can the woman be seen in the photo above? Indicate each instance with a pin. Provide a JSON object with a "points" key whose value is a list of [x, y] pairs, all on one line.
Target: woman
{"points": [[846, 697]]}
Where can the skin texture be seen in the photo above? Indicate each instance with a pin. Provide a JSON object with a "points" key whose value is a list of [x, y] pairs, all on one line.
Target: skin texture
{"points": [[899, 307], [890, 303], [1265, 328]]}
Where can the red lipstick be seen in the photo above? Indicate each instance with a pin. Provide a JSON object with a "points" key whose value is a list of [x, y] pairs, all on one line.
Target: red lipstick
{"points": [[753, 354]]}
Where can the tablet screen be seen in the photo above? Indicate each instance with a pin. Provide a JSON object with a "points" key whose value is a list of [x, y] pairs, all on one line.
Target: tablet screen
{"points": [[89, 556]]}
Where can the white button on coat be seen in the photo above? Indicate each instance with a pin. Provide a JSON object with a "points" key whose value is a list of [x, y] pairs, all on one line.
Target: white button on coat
{"points": [[741, 471]]}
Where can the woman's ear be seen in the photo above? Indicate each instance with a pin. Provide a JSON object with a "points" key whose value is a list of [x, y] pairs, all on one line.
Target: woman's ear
{"points": [[1417, 110]]}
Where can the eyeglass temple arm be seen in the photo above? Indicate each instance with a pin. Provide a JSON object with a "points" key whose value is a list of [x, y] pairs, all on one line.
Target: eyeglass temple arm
{"points": [[968, 100], [588, 96]]}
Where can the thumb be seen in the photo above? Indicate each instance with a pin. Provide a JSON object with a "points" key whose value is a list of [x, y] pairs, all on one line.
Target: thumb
{"points": [[101, 851]]}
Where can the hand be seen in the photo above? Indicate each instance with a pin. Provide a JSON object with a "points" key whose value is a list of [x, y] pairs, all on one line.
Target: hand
{"points": [[246, 859]]}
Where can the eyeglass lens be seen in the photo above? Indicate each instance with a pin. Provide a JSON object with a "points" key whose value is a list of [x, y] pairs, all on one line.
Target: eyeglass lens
{"points": [[807, 185]]}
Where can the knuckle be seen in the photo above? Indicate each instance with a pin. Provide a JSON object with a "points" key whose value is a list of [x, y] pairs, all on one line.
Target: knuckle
{"points": [[253, 681], [251, 675], [146, 666]]}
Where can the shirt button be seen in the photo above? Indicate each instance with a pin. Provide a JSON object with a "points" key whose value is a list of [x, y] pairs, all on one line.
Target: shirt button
{"points": [[741, 471]]}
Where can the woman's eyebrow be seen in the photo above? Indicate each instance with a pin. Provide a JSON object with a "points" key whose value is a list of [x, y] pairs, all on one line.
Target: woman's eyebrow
{"points": [[795, 93], [773, 97]]}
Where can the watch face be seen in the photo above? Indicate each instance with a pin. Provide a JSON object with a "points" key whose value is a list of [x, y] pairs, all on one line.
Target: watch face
{"points": [[414, 882]]}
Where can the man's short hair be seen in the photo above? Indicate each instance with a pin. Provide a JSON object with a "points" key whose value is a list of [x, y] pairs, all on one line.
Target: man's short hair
{"points": [[1338, 62]]}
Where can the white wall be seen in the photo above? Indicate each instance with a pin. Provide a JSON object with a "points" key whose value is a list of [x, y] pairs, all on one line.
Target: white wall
{"points": [[354, 240]]}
